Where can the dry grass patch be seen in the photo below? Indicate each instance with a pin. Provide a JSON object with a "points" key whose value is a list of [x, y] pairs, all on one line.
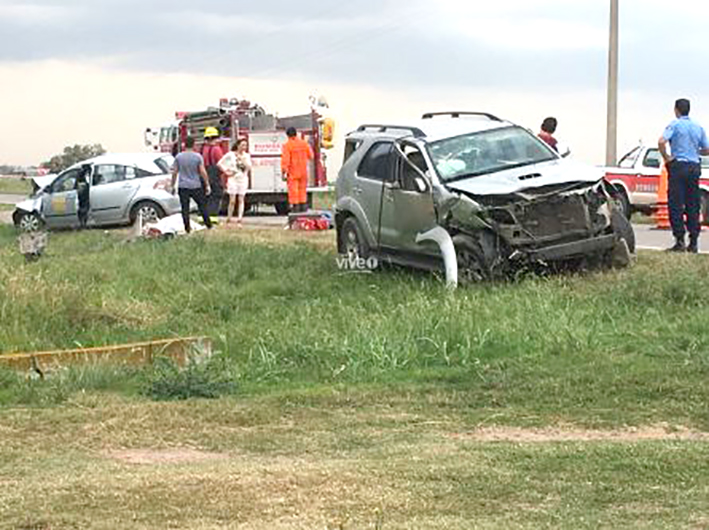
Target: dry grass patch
{"points": [[282, 463], [661, 432], [164, 456]]}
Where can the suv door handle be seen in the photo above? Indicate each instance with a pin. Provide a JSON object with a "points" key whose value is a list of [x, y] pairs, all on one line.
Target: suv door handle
{"points": [[357, 190]]}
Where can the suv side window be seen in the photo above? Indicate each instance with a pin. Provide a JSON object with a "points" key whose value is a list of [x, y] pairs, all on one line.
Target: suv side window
{"points": [[350, 147], [407, 174], [376, 164]]}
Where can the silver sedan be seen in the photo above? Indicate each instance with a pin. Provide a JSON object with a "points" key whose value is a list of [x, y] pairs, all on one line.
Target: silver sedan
{"points": [[121, 188]]}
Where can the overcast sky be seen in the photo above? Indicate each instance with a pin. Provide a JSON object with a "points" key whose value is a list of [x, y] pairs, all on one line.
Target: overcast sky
{"points": [[75, 71]]}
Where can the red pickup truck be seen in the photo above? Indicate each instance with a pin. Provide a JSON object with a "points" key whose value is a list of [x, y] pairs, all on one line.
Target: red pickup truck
{"points": [[637, 177]]}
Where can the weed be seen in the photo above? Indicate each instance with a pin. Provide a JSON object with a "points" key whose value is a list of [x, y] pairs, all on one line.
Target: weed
{"points": [[166, 381], [58, 386]]}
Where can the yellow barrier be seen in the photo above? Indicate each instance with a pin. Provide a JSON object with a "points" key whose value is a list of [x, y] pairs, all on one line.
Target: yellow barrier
{"points": [[180, 350]]}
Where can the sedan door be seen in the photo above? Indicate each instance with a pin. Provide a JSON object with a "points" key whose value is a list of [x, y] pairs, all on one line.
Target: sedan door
{"points": [[113, 187], [408, 208], [59, 201]]}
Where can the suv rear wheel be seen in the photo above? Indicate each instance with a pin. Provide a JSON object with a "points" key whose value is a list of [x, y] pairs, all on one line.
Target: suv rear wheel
{"points": [[351, 241]]}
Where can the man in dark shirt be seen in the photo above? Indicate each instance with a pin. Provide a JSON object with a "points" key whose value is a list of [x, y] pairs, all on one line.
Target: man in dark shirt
{"points": [[83, 193], [687, 140]]}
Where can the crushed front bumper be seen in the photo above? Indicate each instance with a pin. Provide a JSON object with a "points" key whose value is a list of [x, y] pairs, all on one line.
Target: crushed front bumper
{"points": [[583, 247]]}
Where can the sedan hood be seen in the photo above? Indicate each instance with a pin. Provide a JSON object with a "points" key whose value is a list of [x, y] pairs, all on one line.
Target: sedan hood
{"points": [[43, 181], [528, 177], [32, 204]]}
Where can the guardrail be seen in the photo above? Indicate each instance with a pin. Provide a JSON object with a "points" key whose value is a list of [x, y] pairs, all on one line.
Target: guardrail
{"points": [[180, 350]]}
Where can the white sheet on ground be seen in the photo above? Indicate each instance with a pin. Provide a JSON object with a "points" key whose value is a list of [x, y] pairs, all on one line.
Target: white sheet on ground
{"points": [[171, 225]]}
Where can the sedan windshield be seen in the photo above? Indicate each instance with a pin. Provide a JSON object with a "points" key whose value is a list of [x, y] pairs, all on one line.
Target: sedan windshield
{"points": [[476, 154]]}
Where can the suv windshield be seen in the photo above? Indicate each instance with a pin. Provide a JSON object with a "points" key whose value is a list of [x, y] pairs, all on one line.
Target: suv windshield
{"points": [[476, 154]]}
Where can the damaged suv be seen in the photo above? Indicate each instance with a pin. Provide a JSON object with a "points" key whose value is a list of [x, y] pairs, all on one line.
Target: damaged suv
{"points": [[475, 196]]}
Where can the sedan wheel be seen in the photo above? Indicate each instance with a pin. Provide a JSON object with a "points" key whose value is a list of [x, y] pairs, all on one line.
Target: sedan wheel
{"points": [[29, 222], [150, 213]]}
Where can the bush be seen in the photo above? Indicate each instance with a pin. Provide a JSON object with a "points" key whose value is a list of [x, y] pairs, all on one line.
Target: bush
{"points": [[167, 381]]}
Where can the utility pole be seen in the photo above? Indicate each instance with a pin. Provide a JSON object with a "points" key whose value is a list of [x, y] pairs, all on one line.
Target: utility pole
{"points": [[612, 124]]}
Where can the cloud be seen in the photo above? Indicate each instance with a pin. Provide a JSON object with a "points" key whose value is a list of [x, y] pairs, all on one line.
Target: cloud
{"points": [[29, 14], [411, 46]]}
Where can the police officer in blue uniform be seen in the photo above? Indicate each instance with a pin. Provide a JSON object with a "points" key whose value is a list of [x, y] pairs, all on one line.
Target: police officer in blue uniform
{"points": [[687, 140]]}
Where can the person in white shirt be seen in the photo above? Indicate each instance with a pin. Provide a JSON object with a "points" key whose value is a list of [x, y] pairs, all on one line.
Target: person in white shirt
{"points": [[236, 165]]}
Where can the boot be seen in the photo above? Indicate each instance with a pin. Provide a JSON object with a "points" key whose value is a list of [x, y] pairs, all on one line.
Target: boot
{"points": [[678, 246], [693, 247]]}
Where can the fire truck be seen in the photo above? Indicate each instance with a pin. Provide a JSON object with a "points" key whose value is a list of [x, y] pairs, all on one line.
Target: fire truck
{"points": [[637, 179], [265, 133]]}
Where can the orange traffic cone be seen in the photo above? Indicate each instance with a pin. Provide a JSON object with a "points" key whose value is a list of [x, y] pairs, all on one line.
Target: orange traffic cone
{"points": [[662, 213]]}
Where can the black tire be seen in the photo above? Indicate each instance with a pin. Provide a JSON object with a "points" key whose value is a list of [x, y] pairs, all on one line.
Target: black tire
{"points": [[472, 265], [623, 202], [151, 211], [352, 242], [282, 208], [29, 222], [623, 229], [704, 208]]}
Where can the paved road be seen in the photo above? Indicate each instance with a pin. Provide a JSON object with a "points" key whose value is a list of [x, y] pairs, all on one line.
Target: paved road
{"points": [[11, 199], [648, 238]]}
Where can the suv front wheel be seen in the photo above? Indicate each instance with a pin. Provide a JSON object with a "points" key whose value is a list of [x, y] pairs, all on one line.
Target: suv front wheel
{"points": [[472, 265]]}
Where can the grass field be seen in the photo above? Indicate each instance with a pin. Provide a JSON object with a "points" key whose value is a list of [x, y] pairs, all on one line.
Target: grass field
{"points": [[15, 185], [360, 401]]}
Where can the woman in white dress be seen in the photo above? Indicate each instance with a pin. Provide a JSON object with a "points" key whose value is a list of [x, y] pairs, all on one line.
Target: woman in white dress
{"points": [[236, 165]]}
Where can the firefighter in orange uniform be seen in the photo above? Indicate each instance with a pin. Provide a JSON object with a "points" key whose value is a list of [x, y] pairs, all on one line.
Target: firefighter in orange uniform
{"points": [[294, 166]]}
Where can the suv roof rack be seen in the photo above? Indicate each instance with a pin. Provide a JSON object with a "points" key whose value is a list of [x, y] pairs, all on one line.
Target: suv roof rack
{"points": [[458, 114], [418, 133]]}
